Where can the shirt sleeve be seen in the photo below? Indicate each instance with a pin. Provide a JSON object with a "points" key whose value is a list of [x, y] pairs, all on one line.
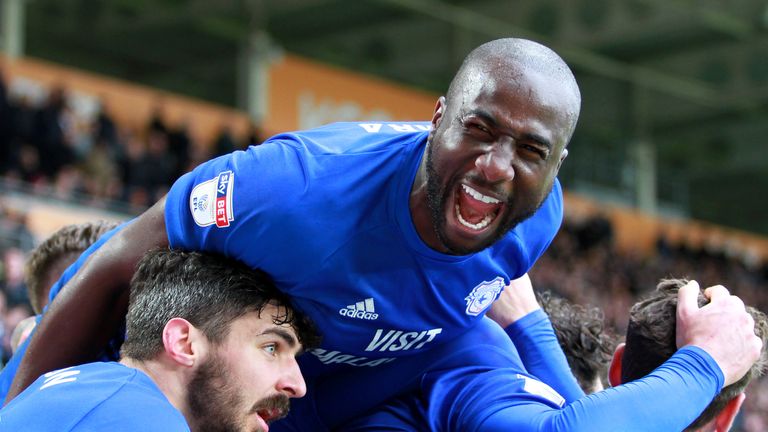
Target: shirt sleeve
{"points": [[234, 203], [503, 400], [542, 355]]}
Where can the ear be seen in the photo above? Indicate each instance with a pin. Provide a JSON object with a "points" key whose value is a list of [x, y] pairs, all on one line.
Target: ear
{"points": [[437, 116], [563, 155], [725, 418], [181, 341], [614, 371]]}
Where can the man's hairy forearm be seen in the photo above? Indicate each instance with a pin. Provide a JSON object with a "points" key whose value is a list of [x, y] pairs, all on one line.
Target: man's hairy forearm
{"points": [[90, 308]]}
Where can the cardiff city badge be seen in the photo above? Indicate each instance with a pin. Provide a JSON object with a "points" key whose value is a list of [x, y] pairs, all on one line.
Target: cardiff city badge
{"points": [[483, 295]]}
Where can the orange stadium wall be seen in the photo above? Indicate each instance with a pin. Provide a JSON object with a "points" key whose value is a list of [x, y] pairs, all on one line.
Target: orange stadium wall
{"points": [[637, 232], [303, 94]]}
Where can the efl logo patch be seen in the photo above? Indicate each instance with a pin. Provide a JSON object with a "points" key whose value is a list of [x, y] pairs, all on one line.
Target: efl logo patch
{"points": [[211, 201], [483, 295]]}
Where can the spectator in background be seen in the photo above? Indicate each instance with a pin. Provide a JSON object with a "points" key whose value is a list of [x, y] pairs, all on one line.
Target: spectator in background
{"points": [[179, 144], [105, 128], [100, 172], [51, 139], [130, 169], [218, 352], [13, 276], [650, 341], [255, 136], [6, 127], [156, 119], [13, 317], [14, 232], [156, 167], [224, 143]]}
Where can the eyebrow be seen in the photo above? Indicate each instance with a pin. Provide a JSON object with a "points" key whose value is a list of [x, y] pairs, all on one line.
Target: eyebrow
{"points": [[284, 334], [489, 118]]}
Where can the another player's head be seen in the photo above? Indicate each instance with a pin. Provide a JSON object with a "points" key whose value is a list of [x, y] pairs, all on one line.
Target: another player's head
{"points": [[48, 261], [220, 329], [651, 341], [587, 345], [497, 141]]}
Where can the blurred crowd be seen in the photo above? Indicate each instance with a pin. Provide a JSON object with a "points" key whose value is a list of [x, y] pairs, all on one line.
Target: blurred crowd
{"points": [[45, 142], [46, 146], [16, 241]]}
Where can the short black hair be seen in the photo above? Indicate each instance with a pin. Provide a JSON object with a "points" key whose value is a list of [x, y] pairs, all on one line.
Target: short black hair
{"points": [[208, 290]]}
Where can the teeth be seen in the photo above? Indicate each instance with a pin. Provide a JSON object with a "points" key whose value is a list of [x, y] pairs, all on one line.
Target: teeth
{"points": [[478, 226], [478, 196]]}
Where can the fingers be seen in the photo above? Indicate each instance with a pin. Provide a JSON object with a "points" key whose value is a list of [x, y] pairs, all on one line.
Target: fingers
{"points": [[717, 291], [720, 293], [687, 299]]}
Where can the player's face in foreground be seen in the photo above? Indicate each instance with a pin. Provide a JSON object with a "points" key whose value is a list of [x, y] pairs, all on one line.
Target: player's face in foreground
{"points": [[247, 381], [494, 153]]}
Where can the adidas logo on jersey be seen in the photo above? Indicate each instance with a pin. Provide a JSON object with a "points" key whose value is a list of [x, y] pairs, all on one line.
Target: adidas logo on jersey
{"points": [[360, 310]]}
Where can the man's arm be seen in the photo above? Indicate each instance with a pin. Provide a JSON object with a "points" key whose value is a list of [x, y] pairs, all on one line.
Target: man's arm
{"points": [[89, 310], [718, 345], [518, 312]]}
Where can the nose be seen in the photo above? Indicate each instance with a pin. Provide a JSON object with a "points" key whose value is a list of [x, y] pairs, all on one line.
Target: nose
{"points": [[292, 383], [496, 164]]}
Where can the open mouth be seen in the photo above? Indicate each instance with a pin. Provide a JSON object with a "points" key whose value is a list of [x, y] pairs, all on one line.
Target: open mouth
{"points": [[475, 210], [269, 415]]}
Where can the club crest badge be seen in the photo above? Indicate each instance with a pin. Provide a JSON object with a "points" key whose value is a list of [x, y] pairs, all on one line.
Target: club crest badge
{"points": [[211, 201], [483, 295]]}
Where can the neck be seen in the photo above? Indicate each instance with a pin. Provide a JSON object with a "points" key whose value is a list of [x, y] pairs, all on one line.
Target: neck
{"points": [[171, 378], [421, 214]]}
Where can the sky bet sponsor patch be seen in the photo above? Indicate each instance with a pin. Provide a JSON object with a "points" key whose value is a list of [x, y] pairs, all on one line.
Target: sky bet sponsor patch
{"points": [[211, 201]]}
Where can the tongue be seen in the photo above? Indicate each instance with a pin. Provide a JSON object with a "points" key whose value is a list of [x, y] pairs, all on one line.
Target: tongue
{"points": [[472, 210]]}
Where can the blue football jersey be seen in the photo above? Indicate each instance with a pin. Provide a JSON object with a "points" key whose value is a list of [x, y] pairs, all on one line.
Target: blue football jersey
{"points": [[92, 397], [326, 213]]}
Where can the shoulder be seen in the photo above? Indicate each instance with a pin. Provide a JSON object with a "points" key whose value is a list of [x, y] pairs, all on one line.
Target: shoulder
{"points": [[350, 138], [526, 242], [69, 397], [131, 392]]}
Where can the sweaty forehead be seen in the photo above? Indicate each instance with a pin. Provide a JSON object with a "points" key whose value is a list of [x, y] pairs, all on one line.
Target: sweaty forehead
{"points": [[510, 94]]}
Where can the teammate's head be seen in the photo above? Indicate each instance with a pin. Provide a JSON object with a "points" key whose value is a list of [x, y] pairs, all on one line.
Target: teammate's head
{"points": [[227, 328], [585, 341], [497, 141], [651, 341], [48, 261]]}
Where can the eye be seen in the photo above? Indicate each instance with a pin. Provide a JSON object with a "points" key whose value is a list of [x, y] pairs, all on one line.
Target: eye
{"points": [[540, 152], [270, 349], [477, 129]]}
